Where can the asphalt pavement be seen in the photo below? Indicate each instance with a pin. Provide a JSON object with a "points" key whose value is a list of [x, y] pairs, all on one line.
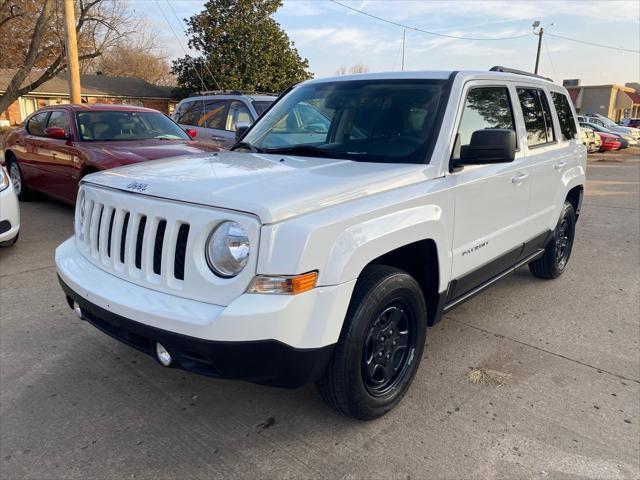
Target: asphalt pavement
{"points": [[77, 404]]}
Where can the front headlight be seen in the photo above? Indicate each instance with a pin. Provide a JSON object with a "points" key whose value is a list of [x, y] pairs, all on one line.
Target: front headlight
{"points": [[227, 249], [4, 179]]}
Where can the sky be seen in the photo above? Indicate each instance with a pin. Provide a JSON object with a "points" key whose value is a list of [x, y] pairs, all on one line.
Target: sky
{"points": [[330, 35]]}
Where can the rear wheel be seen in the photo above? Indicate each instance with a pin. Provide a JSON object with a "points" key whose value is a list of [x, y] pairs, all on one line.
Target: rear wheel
{"points": [[557, 252], [21, 189], [380, 346]]}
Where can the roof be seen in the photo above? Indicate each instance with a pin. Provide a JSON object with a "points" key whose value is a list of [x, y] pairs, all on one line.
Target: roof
{"points": [[635, 98], [94, 85], [435, 75], [97, 107]]}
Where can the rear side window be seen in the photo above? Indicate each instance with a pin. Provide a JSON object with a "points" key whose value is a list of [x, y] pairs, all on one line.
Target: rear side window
{"points": [[537, 116], [215, 114], [60, 120], [565, 116], [189, 113], [485, 107], [37, 124]]}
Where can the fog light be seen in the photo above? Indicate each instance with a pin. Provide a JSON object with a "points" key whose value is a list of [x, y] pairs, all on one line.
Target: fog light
{"points": [[164, 357], [77, 309]]}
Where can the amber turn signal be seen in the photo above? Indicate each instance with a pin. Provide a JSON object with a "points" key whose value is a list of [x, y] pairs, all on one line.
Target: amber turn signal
{"points": [[284, 284]]}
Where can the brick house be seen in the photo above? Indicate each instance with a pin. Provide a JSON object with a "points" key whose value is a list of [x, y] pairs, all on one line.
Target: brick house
{"points": [[95, 89]]}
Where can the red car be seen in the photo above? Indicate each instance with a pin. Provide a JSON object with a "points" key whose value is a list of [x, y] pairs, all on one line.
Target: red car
{"points": [[609, 142], [58, 145]]}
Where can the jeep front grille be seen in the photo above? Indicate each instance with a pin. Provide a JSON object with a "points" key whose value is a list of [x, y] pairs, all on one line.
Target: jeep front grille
{"points": [[158, 244], [132, 237]]}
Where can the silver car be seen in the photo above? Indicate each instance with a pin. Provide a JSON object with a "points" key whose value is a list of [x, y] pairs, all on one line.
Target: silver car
{"points": [[215, 116]]}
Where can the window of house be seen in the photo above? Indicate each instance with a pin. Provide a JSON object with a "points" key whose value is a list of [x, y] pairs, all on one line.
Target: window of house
{"points": [[565, 116], [537, 116], [37, 123], [485, 107], [59, 119]]}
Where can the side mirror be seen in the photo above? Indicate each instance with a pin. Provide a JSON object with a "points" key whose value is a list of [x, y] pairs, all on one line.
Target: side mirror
{"points": [[191, 132], [56, 132], [241, 129], [491, 145]]}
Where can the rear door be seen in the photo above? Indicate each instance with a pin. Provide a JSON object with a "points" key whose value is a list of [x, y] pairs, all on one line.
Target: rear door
{"points": [[491, 200]]}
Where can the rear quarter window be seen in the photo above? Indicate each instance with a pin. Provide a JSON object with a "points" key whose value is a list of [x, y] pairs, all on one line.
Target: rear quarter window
{"points": [[565, 116]]}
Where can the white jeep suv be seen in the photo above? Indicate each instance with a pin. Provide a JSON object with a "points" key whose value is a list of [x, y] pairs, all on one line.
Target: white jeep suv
{"points": [[322, 251]]}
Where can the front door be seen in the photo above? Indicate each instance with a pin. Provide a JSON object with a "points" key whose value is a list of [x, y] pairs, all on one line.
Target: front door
{"points": [[491, 200]]}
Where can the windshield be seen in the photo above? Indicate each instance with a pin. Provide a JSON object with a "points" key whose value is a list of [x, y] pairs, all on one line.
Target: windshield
{"points": [[104, 126], [390, 121], [261, 105]]}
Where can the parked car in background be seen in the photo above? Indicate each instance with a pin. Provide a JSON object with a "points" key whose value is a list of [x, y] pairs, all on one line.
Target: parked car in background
{"points": [[631, 122], [216, 115], [609, 142], [631, 135], [590, 140], [58, 145], [9, 211], [623, 139]]}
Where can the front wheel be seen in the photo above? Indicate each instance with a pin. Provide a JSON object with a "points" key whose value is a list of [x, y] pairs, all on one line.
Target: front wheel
{"points": [[557, 252], [380, 346], [21, 189]]}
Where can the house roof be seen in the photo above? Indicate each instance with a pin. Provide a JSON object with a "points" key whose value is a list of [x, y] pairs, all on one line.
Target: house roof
{"points": [[635, 98], [94, 85]]}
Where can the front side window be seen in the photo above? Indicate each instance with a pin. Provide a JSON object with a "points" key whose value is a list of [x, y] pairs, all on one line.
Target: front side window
{"points": [[104, 126], [485, 107], [59, 119], [36, 124], [537, 116], [365, 120], [565, 116], [238, 112]]}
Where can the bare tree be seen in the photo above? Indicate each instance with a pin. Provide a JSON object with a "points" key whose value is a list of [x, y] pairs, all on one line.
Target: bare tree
{"points": [[34, 31], [137, 56], [357, 68]]}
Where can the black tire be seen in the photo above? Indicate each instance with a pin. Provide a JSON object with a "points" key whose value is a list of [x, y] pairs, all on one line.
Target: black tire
{"points": [[15, 173], [11, 242], [355, 382], [558, 251]]}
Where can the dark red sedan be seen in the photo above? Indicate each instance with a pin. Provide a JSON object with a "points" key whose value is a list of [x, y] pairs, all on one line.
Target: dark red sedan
{"points": [[57, 145]]}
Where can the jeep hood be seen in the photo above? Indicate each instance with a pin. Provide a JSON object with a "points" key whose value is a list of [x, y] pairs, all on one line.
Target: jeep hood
{"points": [[273, 187]]}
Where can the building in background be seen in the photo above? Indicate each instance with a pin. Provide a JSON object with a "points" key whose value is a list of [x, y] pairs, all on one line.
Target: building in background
{"points": [[613, 101], [95, 89]]}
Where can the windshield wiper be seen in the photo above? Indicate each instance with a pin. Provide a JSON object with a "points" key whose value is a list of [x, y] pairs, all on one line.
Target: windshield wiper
{"points": [[247, 146], [304, 150]]}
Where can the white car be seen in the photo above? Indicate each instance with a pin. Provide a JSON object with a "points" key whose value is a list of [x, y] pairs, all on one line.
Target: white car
{"points": [[323, 254], [9, 211]]}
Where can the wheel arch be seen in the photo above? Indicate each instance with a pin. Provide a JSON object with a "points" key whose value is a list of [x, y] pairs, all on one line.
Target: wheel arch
{"points": [[574, 196]]}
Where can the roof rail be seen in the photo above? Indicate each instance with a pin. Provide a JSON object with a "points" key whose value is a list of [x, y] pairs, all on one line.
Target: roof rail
{"points": [[498, 68], [228, 92]]}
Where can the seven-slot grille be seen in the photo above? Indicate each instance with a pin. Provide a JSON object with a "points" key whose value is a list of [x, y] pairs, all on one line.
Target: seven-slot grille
{"points": [[133, 241]]}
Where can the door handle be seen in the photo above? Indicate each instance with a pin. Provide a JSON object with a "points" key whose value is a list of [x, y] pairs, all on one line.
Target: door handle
{"points": [[518, 179], [215, 137], [560, 166]]}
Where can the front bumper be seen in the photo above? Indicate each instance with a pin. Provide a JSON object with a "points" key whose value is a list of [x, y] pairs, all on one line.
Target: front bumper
{"points": [[279, 340], [9, 214], [267, 362]]}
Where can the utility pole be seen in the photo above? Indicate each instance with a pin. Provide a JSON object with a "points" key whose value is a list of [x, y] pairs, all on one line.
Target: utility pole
{"points": [[404, 31], [540, 32], [71, 46]]}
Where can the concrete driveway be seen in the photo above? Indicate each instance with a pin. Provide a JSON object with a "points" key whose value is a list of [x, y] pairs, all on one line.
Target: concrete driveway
{"points": [[76, 404]]}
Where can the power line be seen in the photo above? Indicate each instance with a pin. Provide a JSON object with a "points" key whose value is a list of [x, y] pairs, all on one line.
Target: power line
{"points": [[391, 22], [206, 65], [204, 86], [620, 49]]}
